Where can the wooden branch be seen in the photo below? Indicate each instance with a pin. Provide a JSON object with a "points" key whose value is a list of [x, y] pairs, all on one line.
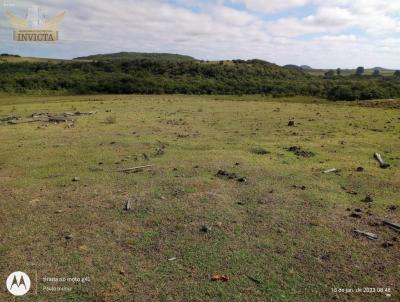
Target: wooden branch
{"points": [[134, 169], [371, 236], [392, 225], [330, 171], [382, 163], [16, 122], [79, 113]]}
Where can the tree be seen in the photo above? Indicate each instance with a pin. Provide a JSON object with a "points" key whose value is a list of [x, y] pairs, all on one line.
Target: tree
{"points": [[329, 74], [341, 92], [397, 73], [338, 71], [376, 73], [360, 71]]}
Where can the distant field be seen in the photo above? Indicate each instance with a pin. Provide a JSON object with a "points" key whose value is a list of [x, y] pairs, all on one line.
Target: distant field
{"points": [[11, 59], [271, 220], [347, 72]]}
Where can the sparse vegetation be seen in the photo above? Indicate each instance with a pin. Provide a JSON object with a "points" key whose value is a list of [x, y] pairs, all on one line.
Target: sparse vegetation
{"points": [[272, 228]]}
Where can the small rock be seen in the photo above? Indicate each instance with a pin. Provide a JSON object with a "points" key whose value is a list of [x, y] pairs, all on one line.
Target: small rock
{"points": [[355, 215], [69, 237], [76, 179], [291, 124], [360, 169]]}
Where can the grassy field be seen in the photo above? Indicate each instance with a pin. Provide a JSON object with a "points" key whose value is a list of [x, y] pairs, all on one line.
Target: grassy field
{"points": [[280, 229], [11, 59], [348, 72]]}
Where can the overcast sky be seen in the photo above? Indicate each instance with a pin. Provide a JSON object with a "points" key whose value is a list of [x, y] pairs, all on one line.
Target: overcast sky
{"points": [[320, 33]]}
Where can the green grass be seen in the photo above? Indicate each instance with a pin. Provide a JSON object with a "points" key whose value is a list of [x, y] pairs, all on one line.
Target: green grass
{"points": [[296, 243]]}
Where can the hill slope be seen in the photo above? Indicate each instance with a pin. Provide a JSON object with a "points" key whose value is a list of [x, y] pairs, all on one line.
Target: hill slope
{"points": [[155, 76], [137, 56], [7, 58]]}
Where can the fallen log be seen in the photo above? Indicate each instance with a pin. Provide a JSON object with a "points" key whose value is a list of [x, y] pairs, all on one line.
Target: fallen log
{"points": [[392, 225], [60, 119], [40, 114], [133, 169], [382, 163], [86, 113], [330, 171], [79, 113], [9, 118], [370, 236], [26, 121]]}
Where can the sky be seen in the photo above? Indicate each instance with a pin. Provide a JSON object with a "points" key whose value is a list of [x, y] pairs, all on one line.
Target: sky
{"points": [[319, 33]]}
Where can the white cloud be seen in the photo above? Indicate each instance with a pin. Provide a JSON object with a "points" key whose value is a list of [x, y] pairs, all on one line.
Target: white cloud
{"points": [[212, 30], [269, 6]]}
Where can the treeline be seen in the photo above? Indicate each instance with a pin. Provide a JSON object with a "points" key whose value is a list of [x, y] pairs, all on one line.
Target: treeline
{"points": [[138, 56], [187, 77]]}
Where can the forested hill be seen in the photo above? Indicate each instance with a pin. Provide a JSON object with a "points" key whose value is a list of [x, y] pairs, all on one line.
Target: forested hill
{"points": [[137, 56], [153, 76]]}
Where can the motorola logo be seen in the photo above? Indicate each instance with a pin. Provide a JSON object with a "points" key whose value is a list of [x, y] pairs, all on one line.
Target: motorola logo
{"points": [[18, 283]]}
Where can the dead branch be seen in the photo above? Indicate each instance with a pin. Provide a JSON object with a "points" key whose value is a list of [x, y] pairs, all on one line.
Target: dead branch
{"points": [[134, 169], [392, 225], [370, 236]]}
